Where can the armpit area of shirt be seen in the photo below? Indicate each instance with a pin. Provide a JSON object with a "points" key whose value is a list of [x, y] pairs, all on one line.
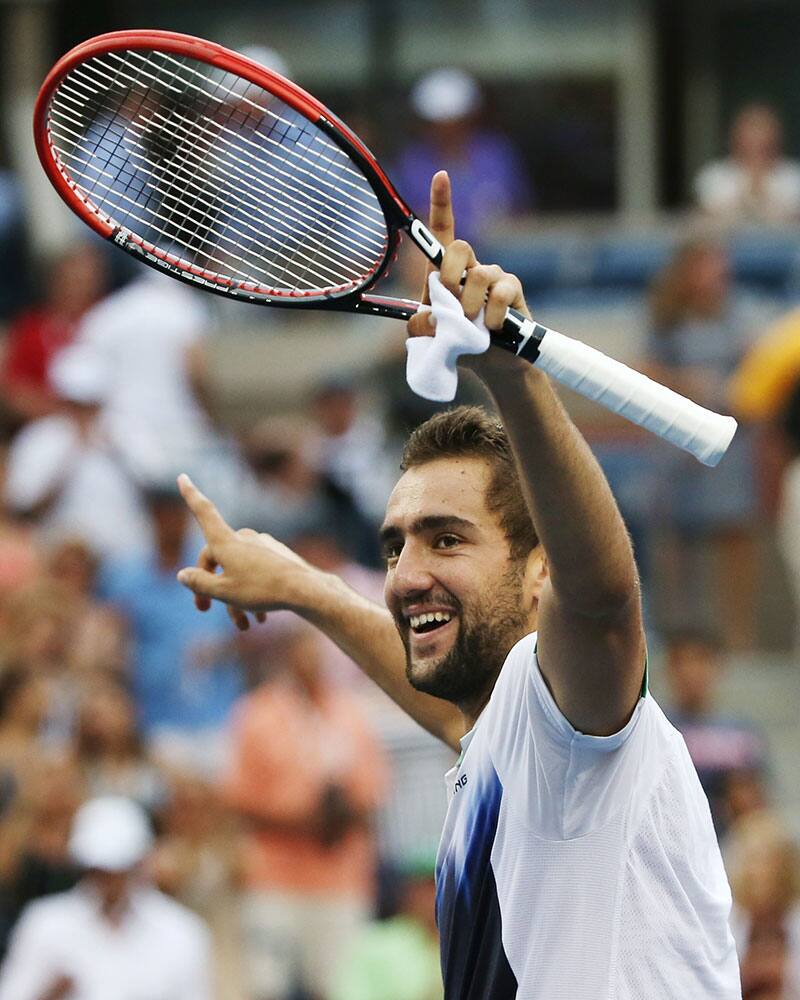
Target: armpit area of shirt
{"points": [[567, 733]]}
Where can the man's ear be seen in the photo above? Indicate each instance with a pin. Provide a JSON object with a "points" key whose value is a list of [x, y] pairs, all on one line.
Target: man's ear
{"points": [[536, 572]]}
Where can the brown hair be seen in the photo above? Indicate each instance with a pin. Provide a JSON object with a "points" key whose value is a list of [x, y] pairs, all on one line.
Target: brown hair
{"points": [[470, 432]]}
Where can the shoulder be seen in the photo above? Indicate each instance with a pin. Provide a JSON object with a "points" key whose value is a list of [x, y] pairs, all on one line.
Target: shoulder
{"points": [[54, 428], [720, 178], [788, 171], [51, 914], [717, 171]]}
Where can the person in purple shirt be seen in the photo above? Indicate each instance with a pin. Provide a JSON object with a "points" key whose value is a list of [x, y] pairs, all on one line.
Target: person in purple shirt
{"points": [[728, 751], [489, 179]]}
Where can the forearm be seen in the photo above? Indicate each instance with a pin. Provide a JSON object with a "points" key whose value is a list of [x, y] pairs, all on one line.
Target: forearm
{"points": [[576, 517], [366, 632]]}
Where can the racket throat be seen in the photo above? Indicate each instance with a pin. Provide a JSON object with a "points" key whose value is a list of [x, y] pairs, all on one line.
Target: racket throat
{"points": [[425, 240]]}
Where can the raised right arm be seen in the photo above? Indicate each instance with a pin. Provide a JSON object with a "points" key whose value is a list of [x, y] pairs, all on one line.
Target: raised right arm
{"points": [[253, 572]]}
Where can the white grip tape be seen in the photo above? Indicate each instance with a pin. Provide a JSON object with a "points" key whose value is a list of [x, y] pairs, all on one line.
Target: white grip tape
{"points": [[635, 396]]}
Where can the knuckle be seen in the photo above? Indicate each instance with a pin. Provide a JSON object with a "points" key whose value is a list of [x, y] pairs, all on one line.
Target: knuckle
{"points": [[460, 245], [479, 273], [503, 290]]}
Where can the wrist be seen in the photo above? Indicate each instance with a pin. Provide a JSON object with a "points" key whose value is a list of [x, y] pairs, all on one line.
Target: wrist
{"points": [[502, 372], [305, 586]]}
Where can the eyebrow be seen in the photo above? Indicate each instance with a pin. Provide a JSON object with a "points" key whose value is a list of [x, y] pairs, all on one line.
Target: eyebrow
{"points": [[431, 522]]}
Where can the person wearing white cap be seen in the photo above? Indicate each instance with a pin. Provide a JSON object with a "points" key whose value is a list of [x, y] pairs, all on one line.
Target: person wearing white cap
{"points": [[489, 179], [63, 469], [113, 937]]}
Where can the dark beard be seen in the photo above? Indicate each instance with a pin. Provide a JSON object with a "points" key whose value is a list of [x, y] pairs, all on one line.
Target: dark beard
{"points": [[466, 674]]}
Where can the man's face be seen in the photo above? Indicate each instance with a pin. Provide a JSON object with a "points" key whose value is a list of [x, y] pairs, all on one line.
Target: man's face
{"points": [[454, 591], [693, 670]]}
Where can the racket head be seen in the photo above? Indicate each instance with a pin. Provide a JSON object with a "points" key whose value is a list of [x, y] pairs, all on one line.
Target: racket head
{"points": [[216, 170]]}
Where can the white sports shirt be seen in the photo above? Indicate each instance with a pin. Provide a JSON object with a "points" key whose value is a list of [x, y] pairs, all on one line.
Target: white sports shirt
{"points": [[159, 951], [578, 867]]}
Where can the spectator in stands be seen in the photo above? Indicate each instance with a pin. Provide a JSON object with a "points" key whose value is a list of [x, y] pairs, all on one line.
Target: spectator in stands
{"points": [[397, 958], [36, 632], [766, 389], [763, 864], [148, 340], [756, 183], [24, 706], [109, 749], [34, 838], [113, 935], [198, 860], [306, 776], [64, 471], [74, 282], [287, 494], [183, 691], [326, 553], [729, 752], [788, 533], [489, 179], [353, 451], [19, 555], [13, 256], [700, 330], [98, 640]]}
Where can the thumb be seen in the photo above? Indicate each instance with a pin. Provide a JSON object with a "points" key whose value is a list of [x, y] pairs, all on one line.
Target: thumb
{"points": [[201, 582]]}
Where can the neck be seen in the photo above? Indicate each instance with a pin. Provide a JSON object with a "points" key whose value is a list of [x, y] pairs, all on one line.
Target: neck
{"points": [[471, 711]]}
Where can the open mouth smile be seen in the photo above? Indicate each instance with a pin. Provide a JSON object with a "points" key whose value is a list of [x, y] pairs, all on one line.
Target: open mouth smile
{"points": [[426, 626]]}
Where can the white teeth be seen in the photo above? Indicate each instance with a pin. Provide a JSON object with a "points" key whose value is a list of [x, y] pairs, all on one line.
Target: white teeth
{"points": [[432, 616]]}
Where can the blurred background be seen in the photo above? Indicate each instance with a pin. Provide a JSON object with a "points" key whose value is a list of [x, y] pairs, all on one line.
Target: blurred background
{"points": [[637, 164]]}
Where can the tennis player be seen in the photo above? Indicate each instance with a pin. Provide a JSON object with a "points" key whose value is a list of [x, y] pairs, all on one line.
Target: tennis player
{"points": [[578, 859]]}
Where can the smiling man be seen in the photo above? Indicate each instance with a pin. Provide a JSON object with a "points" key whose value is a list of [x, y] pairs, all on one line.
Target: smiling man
{"points": [[578, 858]]}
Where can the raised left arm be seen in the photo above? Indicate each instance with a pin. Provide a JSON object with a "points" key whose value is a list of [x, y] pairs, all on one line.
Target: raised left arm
{"points": [[591, 646]]}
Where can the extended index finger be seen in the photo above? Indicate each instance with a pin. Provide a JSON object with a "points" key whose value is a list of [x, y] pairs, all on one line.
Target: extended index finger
{"points": [[441, 221], [211, 522]]}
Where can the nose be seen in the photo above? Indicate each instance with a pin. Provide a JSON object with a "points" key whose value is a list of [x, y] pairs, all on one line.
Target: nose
{"points": [[410, 574]]}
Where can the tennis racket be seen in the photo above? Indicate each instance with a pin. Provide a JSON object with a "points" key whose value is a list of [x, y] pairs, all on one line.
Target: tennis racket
{"points": [[219, 172]]}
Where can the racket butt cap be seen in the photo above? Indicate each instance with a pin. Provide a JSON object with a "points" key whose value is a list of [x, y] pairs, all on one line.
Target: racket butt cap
{"points": [[717, 443]]}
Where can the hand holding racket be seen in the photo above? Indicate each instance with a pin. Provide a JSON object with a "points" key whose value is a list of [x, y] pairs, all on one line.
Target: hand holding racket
{"points": [[221, 173]]}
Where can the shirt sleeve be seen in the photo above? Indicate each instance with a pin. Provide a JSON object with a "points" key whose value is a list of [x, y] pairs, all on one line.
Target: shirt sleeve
{"points": [[27, 971], [38, 461], [565, 782]]}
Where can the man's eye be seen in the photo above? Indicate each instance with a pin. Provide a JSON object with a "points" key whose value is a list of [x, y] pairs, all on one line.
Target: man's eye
{"points": [[391, 551], [446, 541]]}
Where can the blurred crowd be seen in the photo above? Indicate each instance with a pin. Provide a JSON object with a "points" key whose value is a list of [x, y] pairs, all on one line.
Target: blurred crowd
{"points": [[274, 814]]}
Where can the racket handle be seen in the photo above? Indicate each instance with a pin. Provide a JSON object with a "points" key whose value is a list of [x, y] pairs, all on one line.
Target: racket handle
{"points": [[623, 390]]}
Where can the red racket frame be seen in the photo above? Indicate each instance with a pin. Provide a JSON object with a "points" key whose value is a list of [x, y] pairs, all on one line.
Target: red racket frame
{"points": [[398, 215]]}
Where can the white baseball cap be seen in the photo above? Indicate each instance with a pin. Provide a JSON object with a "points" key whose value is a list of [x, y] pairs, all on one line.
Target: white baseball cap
{"points": [[445, 95], [110, 833]]}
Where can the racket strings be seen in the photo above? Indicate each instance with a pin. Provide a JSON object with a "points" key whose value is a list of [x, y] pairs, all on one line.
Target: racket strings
{"points": [[196, 167], [372, 248], [190, 209], [293, 158]]}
